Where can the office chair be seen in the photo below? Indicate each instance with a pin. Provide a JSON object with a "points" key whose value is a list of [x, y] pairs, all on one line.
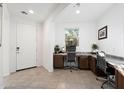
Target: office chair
{"points": [[103, 66], [71, 48], [71, 58]]}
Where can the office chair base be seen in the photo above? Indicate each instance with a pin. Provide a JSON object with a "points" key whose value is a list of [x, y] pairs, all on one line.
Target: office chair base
{"points": [[104, 84], [108, 84], [105, 81], [101, 78], [71, 68], [66, 67]]}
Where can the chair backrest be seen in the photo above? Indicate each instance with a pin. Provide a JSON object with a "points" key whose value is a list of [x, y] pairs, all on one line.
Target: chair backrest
{"points": [[70, 48], [101, 63], [71, 56]]}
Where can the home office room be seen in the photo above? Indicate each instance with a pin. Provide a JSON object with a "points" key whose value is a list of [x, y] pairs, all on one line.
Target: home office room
{"points": [[69, 46], [94, 36]]}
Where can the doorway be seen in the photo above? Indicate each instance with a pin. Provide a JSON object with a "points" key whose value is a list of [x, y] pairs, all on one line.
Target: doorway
{"points": [[25, 46]]}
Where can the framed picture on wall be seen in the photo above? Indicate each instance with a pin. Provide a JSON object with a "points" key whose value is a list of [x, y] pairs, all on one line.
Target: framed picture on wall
{"points": [[102, 33]]}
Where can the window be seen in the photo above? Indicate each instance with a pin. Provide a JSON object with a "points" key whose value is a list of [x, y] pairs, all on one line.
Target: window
{"points": [[71, 36]]}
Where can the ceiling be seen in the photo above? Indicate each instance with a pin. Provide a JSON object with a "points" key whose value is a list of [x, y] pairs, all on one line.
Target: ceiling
{"points": [[41, 10], [88, 12]]}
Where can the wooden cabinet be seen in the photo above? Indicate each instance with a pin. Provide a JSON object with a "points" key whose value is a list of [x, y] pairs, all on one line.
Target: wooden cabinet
{"points": [[119, 80], [58, 61], [92, 64], [83, 62]]}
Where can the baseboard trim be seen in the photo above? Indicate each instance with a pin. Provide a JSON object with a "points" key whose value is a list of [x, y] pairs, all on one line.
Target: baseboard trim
{"points": [[7, 74], [25, 68]]}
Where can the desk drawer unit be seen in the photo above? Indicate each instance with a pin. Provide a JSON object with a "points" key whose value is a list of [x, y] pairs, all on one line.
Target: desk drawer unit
{"points": [[58, 61], [92, 64], [119, 80], [83, 62]]}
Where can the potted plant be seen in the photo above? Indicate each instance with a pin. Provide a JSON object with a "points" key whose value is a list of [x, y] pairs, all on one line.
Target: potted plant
{"points": [[56, 49], [94, 48]]}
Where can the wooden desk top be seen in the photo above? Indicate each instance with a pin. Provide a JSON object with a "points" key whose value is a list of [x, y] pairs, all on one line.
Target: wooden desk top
{"points": [[118, 67], [78, 54]]}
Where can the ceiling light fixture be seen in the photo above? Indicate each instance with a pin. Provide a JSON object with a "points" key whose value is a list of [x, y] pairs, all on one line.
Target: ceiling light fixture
{"points": [[31, 11], [24, 12], [77, 11], [77, 5]]}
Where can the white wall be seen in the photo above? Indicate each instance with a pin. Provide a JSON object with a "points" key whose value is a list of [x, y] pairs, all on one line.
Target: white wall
{"points": [[49, 38], [87, 34], [13, 24], [48, 45], [1, 70], [4, 50], [39, 35], [12, 45], [114, 19], [5, 41]]}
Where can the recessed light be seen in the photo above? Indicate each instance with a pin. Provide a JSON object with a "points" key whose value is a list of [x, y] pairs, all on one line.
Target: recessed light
{"points": [[31, 11], [24, 12], [77, 11]]}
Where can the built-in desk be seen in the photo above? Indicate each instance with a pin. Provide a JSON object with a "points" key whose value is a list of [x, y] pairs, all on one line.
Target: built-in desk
{"points": [[58, 61], [119, 71], [88, 61]]}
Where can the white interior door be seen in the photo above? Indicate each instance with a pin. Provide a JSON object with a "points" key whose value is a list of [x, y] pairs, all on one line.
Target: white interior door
{"points": [[26, 46]]}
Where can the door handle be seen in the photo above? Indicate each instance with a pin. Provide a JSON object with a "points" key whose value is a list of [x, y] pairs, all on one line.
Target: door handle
{"points": [[17, 49]]}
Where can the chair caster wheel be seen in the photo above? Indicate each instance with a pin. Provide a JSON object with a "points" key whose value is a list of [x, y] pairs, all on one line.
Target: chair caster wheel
{"points": [[102, 87]]}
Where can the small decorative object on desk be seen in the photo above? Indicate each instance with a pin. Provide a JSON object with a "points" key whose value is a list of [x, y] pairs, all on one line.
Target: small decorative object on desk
{"points": [[94, 48], [62, 50], [56, 49]]}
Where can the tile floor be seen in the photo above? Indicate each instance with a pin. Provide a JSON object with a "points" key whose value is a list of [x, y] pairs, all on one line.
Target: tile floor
{"points": [[40, 78]]}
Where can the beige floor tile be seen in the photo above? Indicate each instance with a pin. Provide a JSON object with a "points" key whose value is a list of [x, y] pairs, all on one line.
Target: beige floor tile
{"points": [[40, 78]]}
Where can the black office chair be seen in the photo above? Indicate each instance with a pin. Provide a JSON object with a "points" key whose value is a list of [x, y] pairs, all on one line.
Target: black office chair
{"points": [[70, 48], [103, 66], [71, 59]]}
